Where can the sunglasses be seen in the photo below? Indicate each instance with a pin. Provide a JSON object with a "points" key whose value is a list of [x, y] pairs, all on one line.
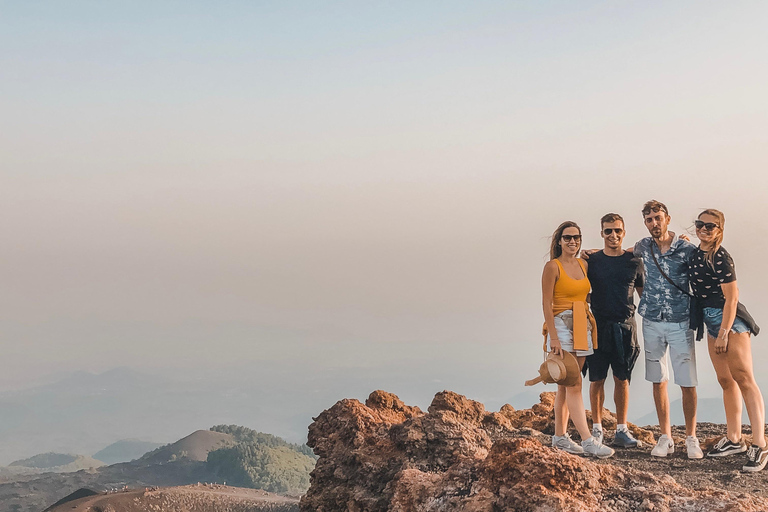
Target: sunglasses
{"points": [[608, 231], [568, 238], [709, 226], [655, 209]]}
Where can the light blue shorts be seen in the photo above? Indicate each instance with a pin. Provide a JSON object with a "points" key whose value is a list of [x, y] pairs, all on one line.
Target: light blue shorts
{"points": [[713, 318], [657, 337], [564, 328]]}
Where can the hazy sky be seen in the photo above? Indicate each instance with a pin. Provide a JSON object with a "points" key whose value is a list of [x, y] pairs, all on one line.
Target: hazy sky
{"points": [[192, 186]]}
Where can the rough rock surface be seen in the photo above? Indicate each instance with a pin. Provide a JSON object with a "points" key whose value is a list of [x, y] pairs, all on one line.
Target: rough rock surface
{"points": [[386, 456]]}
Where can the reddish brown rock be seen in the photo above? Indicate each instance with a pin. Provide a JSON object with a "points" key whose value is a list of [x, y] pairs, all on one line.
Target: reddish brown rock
{"points": [[386, 456]]}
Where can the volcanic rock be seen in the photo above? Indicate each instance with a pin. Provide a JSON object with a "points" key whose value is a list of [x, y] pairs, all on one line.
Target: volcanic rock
{"points": [[384, 456]]}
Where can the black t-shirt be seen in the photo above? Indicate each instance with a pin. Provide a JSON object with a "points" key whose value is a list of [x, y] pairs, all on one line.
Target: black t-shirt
{"points": [[705, 279], [613, 280]]}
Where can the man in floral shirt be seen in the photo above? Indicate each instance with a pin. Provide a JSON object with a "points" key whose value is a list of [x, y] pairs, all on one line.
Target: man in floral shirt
{"points": [[664, 306]]}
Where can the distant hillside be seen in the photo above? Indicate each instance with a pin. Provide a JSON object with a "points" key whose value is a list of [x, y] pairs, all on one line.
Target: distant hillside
{"points": [[54, 462], [45, 460], [193, 447], [262, 461], [125, 450]]}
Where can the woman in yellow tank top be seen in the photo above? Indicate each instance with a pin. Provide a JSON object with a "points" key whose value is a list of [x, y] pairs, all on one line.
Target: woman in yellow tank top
{"points": [[568, 325]]}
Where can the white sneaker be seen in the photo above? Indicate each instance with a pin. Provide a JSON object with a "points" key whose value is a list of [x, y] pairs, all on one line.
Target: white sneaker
{"points": [[597, 434], [664, 446], [566, 444], [597, 449], [694, 450]]}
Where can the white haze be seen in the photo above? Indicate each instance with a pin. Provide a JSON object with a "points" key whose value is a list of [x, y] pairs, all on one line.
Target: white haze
{"points": [[347, 189]]}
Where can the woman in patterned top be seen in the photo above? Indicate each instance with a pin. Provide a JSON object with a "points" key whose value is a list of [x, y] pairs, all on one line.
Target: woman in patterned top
{"points": [[713, 280]]}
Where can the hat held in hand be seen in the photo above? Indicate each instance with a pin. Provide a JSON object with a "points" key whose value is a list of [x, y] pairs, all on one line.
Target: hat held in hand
{"points": [[557, 370]]}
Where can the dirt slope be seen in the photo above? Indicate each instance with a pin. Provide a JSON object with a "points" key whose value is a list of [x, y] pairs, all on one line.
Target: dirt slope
{"points": [[190, 498]]}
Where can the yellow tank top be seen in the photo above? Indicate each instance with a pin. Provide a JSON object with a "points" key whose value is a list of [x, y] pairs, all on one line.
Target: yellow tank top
{"points": [[572, 294], [569, 290]]}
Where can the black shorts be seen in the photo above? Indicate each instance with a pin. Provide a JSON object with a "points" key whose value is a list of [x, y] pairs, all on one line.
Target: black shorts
{"points": [[609, 354]]}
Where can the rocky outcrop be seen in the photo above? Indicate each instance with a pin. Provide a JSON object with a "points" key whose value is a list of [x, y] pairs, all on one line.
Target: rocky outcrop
{"points": [[386, 456]]}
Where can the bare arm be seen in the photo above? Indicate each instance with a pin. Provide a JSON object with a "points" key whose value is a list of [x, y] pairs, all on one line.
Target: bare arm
{"points": [[639, 291], [548, 280], [731, 292]]}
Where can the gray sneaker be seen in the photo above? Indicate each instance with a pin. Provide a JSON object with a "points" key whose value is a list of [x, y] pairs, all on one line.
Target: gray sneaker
{"points": [[597, 449], [566, 444], [597, 434]]}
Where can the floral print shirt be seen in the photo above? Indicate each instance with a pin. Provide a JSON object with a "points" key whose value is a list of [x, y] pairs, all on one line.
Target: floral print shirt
{"points": [[661, 301]]}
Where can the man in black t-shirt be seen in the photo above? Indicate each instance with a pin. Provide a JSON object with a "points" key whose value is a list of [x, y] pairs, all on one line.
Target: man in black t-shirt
{"points": [[615, 275]]}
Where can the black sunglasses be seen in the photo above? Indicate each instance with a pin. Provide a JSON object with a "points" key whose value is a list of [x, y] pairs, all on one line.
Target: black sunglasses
{"points": [[608, 231], [708, 225], [568, 238]]}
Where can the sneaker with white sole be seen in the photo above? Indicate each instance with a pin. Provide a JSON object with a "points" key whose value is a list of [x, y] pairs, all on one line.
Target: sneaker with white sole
{"points": [[694, 450], [625, 439], [597, 449], [566, 444], [725, 447], [597, 433], [756, 458], [664, 446]]}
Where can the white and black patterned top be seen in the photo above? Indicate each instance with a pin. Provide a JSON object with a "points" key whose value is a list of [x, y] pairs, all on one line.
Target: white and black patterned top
{"points": [[706, 279]]}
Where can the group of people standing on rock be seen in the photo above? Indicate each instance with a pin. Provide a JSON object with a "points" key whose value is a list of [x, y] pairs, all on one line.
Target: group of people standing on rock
{"points": [[683, 290]]}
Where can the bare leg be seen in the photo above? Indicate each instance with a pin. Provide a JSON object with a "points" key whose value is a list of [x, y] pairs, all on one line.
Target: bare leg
{"points": [[661, 399], [621, 399], [596, 400], [731, 391], [561, 411], [575, 404], [740, 362], [689, 410]]}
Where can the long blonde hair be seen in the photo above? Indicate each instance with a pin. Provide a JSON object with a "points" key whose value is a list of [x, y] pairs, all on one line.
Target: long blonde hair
{"points": [[554, 249], [718, 237]]}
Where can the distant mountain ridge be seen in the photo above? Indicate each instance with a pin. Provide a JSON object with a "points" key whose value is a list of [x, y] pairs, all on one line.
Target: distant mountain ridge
{"points": [[125, 450], [57, 462]]}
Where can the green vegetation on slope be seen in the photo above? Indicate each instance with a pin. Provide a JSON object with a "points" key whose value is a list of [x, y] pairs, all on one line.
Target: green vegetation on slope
{"points": [[262, 461]]}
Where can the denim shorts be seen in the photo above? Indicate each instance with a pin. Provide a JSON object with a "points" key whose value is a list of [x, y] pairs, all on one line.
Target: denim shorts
{"points": [[564, 328], [713, 318]]}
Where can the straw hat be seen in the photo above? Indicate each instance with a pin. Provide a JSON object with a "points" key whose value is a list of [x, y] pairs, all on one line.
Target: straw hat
{"points": [[557, 370]]}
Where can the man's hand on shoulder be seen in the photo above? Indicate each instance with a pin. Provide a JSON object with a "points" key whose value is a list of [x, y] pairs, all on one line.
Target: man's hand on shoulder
{"points": [[586, 253]]}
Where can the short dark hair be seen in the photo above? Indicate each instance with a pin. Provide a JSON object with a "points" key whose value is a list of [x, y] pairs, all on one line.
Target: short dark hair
{"points": [[611, 217], [654, 205]]}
